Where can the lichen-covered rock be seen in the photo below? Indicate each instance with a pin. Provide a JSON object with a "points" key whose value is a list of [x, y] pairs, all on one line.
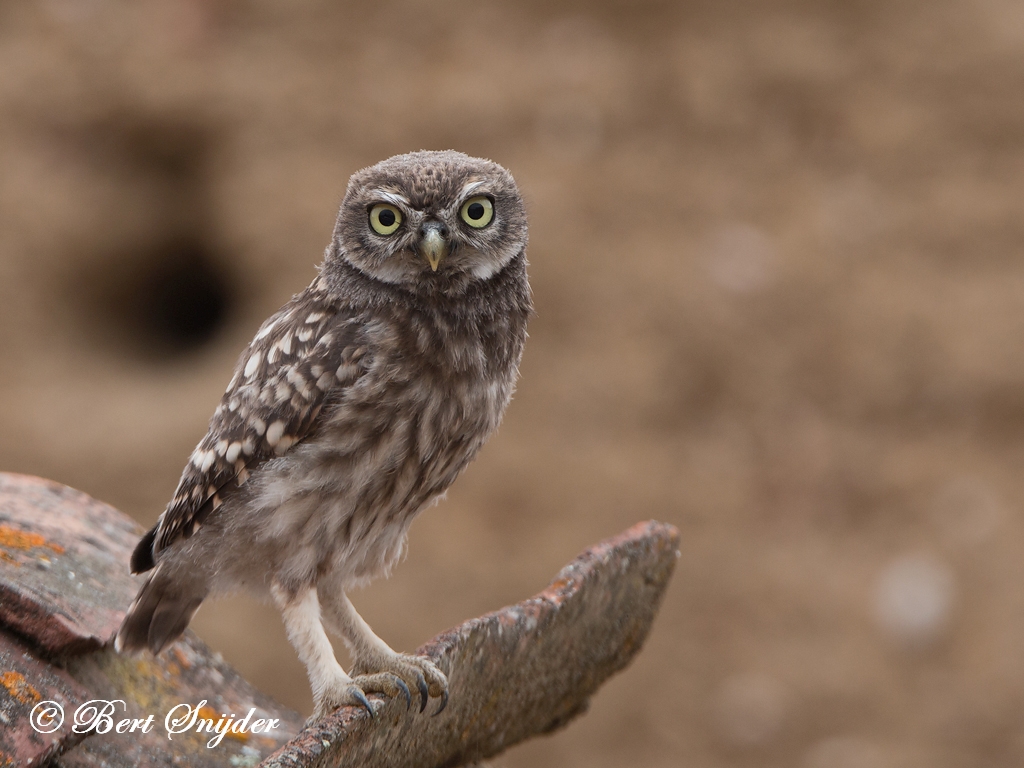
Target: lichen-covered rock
{"points": [[524, 670], [64, 586], [29, 689], [63, 576]]}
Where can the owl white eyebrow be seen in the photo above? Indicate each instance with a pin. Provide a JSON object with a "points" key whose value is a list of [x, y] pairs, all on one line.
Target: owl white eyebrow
{"points": [[471, 186], [391, 197]]}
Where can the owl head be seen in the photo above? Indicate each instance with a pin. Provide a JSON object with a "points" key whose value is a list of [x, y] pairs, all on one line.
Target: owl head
{"points": [[430, 220]]}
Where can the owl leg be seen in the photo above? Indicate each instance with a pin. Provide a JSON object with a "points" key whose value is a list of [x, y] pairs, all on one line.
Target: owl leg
{"points": [[376, 665], [332, 688]]}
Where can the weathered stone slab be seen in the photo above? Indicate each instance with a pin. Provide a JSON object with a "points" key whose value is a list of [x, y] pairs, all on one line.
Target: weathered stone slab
{"points": [[64, 587], [521, 671], [64, 579], [33, 696], [185, 674]]}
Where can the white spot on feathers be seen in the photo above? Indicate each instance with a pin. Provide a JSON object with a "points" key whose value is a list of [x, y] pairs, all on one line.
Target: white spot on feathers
{"points": [[304, 334], [485, 270], [260, 426], [232, 452], [274, 433], [314, 317], [266, 329], [253, 364], [284, 444], [208, 459], [285, 343]]}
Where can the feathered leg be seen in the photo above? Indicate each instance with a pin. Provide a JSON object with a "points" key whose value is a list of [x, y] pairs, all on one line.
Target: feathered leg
{"points": [[332, 688], [377, 667]]}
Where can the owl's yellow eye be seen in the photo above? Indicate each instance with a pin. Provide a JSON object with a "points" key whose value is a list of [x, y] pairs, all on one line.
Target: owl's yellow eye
{"points": [[385, 219], [477, 211]]}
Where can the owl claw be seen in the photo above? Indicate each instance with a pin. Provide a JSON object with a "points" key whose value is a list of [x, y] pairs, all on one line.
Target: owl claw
{"points": [[350, 694], [405, 691], [387, 683], [360, 697], [399, 673], [444, 703], [421, 683]]}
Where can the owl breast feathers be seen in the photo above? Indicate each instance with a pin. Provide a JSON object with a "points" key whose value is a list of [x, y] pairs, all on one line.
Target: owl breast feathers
{"points": [[356, 404]]}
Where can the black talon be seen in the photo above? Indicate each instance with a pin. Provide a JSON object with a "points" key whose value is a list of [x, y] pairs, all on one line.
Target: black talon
{"points": [[424, 691], [363, 701], [405, 690], [444, 703]]}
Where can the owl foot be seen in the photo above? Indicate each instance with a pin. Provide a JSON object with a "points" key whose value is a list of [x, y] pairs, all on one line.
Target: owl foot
{"points": [[345, 692], [386, 683], [405, 669]]}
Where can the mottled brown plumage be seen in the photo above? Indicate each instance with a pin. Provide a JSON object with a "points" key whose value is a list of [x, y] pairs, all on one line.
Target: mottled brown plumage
{"points": [[354, 407]]}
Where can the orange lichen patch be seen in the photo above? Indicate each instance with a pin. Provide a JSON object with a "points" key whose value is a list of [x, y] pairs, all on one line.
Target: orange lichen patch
{"points": [[19, 687], [559, 584], [5, 558], [559, 589], [208, 713], [17, 539], [181, 657], [6, 760]]}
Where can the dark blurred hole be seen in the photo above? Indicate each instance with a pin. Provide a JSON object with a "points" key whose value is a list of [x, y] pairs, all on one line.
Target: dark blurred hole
{"points": [[156, 287], [166, 299], [181, 297]]}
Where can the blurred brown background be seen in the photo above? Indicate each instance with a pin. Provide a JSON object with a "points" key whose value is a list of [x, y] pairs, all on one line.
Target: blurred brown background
{"points": [[777, 255]]}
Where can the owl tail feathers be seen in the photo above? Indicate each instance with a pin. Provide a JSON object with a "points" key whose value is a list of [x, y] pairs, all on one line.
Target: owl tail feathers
{"points": [[142, 557], [161, 612]]}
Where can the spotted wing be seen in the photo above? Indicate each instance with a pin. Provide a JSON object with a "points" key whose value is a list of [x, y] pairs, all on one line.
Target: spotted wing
{"points": [[299, 361]]}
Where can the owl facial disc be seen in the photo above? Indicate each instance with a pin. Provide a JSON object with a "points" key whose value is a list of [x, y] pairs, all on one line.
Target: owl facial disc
{"points": [[434, 223], [433, 245]]}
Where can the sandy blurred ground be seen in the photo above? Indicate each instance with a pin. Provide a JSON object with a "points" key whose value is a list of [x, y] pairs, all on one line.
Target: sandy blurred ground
{"points": [[777, 255]]}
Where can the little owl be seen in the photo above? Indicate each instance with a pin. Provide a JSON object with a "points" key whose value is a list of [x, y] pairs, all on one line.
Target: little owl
{"points": [[354, 407]]}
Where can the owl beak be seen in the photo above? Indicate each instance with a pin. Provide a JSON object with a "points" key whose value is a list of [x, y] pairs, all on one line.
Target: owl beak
{"points": [[433, 245]]}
